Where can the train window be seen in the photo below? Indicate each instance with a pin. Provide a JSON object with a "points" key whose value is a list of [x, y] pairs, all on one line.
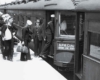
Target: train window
{"points": [[67, 26], [95, 45]]}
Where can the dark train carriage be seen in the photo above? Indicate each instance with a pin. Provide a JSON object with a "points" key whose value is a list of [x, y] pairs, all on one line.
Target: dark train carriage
{"points": [[64, 37], [2, 8], [63, 45], [87, 62]]}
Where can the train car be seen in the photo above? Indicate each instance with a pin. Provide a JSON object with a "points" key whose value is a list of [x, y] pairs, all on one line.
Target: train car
{"points": [[63, 45], [87, 53]]}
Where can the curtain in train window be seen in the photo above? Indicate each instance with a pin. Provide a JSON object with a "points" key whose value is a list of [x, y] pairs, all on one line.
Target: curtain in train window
{"points": [[94, 45], [67, 26]]}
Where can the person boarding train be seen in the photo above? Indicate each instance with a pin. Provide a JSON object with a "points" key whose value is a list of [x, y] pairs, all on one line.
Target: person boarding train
{"points": [[49, 33], [26, 39]]}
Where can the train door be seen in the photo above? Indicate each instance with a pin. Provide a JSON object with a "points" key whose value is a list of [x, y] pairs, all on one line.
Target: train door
{"points": [[91, 50], [79, 46], [64, 40], [48, 18]]}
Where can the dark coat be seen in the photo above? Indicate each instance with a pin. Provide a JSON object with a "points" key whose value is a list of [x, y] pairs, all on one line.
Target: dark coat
{"points": [[1, 21], [38, 32], [49, 33], [49, 29], [26, 35]]}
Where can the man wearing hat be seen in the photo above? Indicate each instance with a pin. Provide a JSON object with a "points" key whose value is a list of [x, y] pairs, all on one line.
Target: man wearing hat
{"points": [[49, 33], [38, 36]]}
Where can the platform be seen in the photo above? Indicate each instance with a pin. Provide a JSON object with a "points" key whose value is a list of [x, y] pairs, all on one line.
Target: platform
{"points": [[35, 69]]}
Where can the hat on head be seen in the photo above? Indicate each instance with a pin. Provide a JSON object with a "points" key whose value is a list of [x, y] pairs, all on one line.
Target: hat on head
{"points": [[6, 17], [37, 20], [52, 15], [1, 13], [29, 22]]}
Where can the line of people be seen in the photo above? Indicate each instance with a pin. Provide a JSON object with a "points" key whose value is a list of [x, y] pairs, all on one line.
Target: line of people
{"points": [[36, 35]]}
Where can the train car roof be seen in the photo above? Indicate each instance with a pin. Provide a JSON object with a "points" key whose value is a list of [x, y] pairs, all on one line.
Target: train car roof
{"points": [[90, 5], [59, 4], [45, 5]]}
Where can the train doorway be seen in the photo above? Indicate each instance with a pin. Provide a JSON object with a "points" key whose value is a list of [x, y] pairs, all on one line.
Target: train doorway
{"points": [[50, 16], [79, 46]]}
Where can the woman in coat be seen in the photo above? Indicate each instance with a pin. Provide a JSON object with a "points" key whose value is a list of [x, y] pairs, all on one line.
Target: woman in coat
{"points": [[26, 39]]}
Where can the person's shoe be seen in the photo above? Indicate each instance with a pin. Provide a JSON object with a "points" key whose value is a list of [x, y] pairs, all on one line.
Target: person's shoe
{"points": [[10, 60], [40, 55], [43, 56], [4, 57], [29, 59]]}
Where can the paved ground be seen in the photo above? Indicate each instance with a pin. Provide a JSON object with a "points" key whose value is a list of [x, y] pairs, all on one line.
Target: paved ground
{"points": [[35, 69]]}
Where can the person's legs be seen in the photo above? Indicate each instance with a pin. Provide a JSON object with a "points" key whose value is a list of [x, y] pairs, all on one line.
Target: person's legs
{"points": [[28, 56], [46, 47], [36, 46], [23, 56], [40, 47], [6, 52], [4, 49], [10, 50]]}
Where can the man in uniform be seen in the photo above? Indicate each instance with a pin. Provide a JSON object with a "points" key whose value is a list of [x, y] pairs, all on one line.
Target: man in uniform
{"points": [[49, 33], [38, 37]]}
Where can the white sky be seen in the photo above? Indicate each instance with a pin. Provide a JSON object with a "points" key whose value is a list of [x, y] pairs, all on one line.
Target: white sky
{"points": [[5, 1]]}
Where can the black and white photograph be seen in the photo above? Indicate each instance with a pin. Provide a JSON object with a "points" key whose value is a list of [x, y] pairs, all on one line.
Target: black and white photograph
{"points": [[49, 39]]}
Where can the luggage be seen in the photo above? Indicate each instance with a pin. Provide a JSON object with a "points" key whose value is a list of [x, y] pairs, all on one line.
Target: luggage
{"points": [[22, 49]]}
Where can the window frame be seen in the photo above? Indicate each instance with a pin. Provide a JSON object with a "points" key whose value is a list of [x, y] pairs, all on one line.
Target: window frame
{"points": [[59, 23], [91, 31]]}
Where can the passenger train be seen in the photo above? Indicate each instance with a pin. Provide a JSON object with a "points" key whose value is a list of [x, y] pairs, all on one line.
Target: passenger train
{"points": [[87, 52], [80, 46], [63, 45]]}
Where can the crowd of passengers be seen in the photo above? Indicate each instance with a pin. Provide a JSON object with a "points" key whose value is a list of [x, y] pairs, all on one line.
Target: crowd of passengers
{"points": [[7, 37]]}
